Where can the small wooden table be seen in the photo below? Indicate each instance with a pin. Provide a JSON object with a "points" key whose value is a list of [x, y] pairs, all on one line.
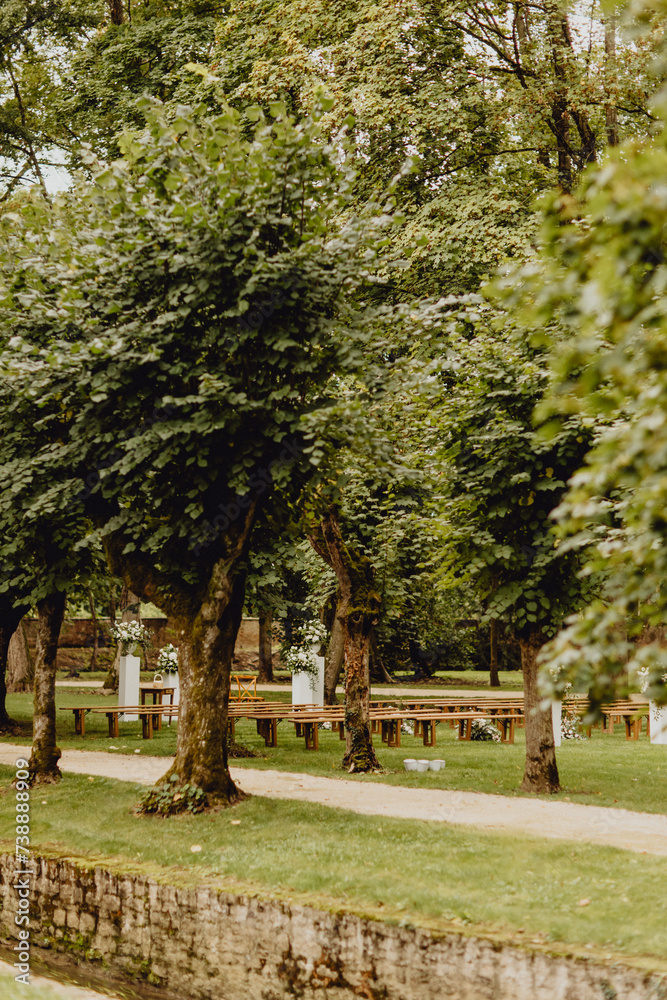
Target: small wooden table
{"points": [[158, 691]]}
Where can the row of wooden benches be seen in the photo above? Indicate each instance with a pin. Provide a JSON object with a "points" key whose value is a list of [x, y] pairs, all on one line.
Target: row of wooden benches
{"points": [[386, 718]]}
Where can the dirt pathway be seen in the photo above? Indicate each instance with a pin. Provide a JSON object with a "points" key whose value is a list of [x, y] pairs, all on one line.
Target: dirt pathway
{"points": [[382, 692], [634, 831]]}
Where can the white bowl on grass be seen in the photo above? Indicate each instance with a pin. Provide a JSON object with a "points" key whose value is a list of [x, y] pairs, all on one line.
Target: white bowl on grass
{"points": [[436, 765], [422, 765], [410, 764]]}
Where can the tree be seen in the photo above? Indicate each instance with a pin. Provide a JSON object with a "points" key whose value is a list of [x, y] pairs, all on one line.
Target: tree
{"points": [[601, 280], [36, 39], [562, 86], [357, 610], [504, 479], [143, 53], [197, 284]]}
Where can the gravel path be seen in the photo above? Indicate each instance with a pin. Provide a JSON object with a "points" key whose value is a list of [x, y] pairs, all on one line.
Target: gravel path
{"points": [[384, 692], [634, 831]]}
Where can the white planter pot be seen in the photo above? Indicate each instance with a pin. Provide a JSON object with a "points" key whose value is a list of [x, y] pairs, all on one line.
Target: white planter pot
{"points": [[658, 722], [128, 683], [170, 680], [556, 719], [306, 688]]}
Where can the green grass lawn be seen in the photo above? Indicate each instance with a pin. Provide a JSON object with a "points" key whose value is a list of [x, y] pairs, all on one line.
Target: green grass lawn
{"points": [[400, 870], [605, 771]]}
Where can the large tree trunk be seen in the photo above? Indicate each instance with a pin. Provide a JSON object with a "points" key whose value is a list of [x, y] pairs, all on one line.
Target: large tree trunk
{"points": [[205, 661], [207, 618], [610, 111], [333, 661], [377, 670], [265, 674], [96, 633], [10, 619], [494, 679], [358, 611], [116, 12], [20, 668], [541, 774], [45, 754]]}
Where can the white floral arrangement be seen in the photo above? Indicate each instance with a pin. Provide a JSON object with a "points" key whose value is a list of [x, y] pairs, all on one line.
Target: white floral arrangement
{"points": [[298, 656], [167, 660], [130, 634], [570, 727], [485, 730], [644, 680]]}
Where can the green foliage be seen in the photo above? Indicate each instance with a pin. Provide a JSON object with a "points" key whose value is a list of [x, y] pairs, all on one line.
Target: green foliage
{"points": [[603, 278], [170, 798], [504, 478], [37, 38], [402, 80], [146, 55], [171, 324]]}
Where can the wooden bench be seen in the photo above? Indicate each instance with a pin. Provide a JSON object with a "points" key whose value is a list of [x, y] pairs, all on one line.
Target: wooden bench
{"points": [[386, 720], [146, 713]]}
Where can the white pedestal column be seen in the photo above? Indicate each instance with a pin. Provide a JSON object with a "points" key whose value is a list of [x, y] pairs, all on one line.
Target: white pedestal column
{"points": [[170, 680], [556, 717], [128, 683], [306, 688], [658, 722]]}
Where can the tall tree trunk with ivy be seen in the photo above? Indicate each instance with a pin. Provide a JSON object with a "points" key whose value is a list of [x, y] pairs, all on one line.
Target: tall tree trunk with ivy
{"points": [[541, 772], [358, 611], [10, 620], [45, 753]]}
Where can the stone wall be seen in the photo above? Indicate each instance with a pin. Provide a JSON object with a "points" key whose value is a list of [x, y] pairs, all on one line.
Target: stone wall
{"points": [[78, 633], [206, 944]]}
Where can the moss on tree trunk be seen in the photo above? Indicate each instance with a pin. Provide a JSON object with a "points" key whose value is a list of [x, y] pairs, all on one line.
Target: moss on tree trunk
{"points": [[358, 609], [10, 619], [541, 773], [334, 659], [206, 646], [45, 754]]}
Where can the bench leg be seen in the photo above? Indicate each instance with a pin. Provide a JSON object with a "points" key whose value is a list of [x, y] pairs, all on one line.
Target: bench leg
{"points": [[147, 726], [418, 727], [311, 733], [341, 730], [393, 733], [231, 725], [113, 723], [79, 722], [428, 730]]}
